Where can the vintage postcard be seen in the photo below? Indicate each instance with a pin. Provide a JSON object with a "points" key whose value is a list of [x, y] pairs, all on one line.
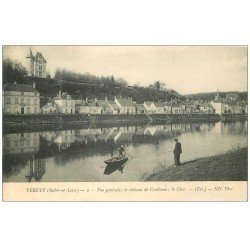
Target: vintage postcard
{"points": [[124, 123]]}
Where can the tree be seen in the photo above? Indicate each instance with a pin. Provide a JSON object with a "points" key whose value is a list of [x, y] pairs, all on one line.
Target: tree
{"points": [[13, 71]]}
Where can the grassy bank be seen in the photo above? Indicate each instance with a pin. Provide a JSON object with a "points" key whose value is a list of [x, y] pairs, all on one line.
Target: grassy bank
{"points": [[230, 166]]}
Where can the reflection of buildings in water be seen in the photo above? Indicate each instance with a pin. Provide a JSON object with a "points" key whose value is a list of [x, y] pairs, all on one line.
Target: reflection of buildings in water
{"points": [[140, 130], [64, 138], [91, 134], [49, 136], [237, 127], [112, 134], [150, 130], [21, 143], [35, 169]]}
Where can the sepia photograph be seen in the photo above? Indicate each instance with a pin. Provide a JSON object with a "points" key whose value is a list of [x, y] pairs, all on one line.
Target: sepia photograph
{"points": [[124, 114]]}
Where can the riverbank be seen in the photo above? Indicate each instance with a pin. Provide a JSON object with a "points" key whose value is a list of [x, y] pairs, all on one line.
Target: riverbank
{"points": [[230, 166], [12, 121], [37, 122]]}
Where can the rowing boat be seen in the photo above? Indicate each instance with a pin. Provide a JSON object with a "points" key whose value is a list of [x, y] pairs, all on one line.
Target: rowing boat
{"points": [[116, 160]]}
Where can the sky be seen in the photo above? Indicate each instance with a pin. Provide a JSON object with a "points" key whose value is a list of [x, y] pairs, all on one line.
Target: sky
{"points": [[186, 69]]}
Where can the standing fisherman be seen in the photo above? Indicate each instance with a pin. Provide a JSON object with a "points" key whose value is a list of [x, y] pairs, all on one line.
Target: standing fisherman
{"points": [[121, 151], [177, 152]]}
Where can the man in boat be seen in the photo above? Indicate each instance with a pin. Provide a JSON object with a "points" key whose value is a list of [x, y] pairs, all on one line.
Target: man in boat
{"points": [[177, 152], [121, 151]]}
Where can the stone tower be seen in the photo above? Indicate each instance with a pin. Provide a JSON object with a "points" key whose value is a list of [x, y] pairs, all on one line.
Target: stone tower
{"points": [[30, 63]]}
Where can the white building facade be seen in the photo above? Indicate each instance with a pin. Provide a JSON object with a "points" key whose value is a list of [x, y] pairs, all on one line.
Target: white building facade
{"points": [[20, 99]]}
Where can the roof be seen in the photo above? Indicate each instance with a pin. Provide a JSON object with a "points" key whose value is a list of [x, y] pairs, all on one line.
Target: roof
{"points": [[126, 103], [176, 106], [104, 104], [158, 104], [19, 88], [166, 103], [49, 101], [39, 55], [63, 97], [80, 103], [92, 104], [140, 106], [113, 105], [148, 103]]}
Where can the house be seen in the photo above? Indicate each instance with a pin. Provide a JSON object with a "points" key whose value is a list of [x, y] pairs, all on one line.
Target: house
{"points": [[20, 99], [177, 109], [81, 107], [126, 105], [49, 107], [157, 108], [64, 103], [88, 107], [105, 106], [113, 108], [147, 106], [190, 109], [218, 106], [94, 107], [206, 108], [36, 65], [154, 107], [140, 109], [167, 107]]}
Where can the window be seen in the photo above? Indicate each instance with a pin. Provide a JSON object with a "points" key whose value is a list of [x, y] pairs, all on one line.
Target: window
{"points": [[40, 73], [16, 100], [35, 101], [22, 101], [28, 101], [8, 100], [66, 104], [40, 61], [40, 67], [35, 109], [28, 110]]}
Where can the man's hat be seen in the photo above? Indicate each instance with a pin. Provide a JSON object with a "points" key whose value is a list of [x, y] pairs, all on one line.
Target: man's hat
{"points": [[175, 139]]}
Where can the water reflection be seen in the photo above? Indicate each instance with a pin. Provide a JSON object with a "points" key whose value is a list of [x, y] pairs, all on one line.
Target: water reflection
{"points": [[78, 155]]}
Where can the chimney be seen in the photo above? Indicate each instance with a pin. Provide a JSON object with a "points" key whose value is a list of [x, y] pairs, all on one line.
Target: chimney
{"points": [[86, 99], [95, 99], [106, 98], [60, 93], [34, 85], [14, 82], [131, 99]]}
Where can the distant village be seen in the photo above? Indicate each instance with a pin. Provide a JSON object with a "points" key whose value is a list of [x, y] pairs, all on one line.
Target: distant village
{"points": [[25, 99]]}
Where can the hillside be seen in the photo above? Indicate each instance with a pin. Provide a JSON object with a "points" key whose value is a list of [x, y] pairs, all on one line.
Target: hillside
{"points": [[91, 90]]}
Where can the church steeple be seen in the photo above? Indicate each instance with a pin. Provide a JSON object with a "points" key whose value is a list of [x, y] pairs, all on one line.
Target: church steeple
{"points": [[217, 97]]}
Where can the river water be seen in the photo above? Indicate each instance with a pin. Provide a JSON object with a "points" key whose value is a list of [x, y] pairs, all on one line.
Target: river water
{"points": [[79, 155]]}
